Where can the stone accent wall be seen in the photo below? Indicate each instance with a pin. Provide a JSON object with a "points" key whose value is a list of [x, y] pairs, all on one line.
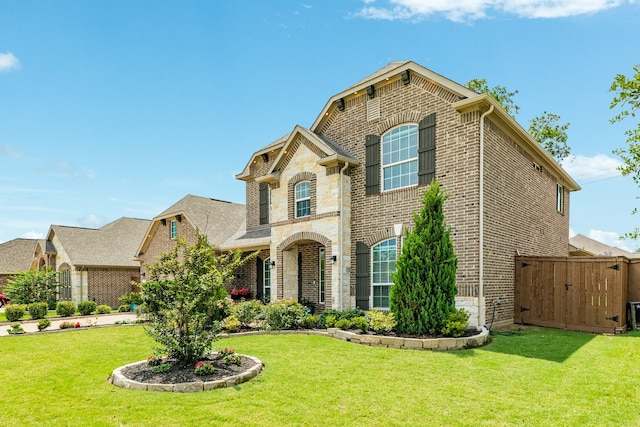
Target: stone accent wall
{"points": [[107, 285]]}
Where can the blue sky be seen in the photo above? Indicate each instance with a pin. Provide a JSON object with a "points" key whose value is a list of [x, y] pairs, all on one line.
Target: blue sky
{"points": [[119, 108]]}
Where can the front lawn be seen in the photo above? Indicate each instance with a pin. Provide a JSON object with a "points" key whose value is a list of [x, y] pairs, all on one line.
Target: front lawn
{"points": [[541, 377]]}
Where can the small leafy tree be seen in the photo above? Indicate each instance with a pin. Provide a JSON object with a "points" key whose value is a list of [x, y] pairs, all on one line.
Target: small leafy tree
{"points": [[424, 287], [183, 288], [545, 128], [626, 100], [31, 286]]}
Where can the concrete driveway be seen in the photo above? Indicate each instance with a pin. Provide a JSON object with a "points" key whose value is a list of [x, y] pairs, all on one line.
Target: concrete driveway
{"points": [[31, 326]]}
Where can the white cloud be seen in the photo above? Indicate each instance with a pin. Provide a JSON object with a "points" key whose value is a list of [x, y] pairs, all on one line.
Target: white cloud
{"points": [[572, 233], [8, 151], [467, 10], [91, 221], [610, 238], [33, 235], [8, 62], [589, 169]]}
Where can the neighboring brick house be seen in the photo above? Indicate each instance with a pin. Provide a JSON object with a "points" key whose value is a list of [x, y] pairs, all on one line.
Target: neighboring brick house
{"points": [[15, 256], [332, 202], [94, 264], [217, 219]]}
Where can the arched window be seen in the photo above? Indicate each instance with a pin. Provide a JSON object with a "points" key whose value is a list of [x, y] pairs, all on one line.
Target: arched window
{"points": [[400, 157], [383, 265], [303, 199]]}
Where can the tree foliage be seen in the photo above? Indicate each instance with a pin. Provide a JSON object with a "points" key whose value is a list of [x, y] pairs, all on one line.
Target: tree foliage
{"points": [[551, 135], [499, 93], [626, 100], [545, 129], [31, 286], [181, 295], [424, 287]]}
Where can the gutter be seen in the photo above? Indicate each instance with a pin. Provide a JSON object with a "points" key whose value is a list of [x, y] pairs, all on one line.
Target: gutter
{"points": [[340, 258], [481, 313]]}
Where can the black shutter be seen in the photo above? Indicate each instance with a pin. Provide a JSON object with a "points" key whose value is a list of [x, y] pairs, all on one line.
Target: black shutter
{"points": [[362, 276], [260, 278], [427, 149], [372, 183], [264, 203]]}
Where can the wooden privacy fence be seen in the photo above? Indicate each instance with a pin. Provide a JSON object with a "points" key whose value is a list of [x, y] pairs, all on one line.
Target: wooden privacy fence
{"points": [[575, 293]]}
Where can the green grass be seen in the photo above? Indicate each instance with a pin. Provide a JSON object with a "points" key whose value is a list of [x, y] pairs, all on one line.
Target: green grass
{"points": [[540, 377]]}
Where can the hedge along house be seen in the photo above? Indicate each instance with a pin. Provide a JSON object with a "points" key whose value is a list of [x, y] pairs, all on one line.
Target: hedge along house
{"points": [[94, 264], [335, 200], [217, 219]]}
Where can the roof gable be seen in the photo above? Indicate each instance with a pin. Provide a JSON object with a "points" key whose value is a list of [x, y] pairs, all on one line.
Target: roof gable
{"points": [[16, 255], [328, 152], [391, 71], [112, 245]]}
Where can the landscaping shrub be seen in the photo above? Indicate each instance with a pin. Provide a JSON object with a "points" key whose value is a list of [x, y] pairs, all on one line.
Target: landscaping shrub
{"points": [[30, 286], [330, 322], [283, 314], [203, 368], [43, 324], [14, 312], [247, 312], [103, 309], [65, 308], [183, 287], [310, 321], [361, 323], [16, 329], [380, 322], [424, 284], [86, 307], [231, 324], [343, 324], [219, 310], [68, 325], [456, 324], [38, 310], [349, 314], [123, 308]]}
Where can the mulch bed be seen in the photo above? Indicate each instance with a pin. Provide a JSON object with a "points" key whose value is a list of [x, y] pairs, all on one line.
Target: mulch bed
{"points": [[144, 373]]}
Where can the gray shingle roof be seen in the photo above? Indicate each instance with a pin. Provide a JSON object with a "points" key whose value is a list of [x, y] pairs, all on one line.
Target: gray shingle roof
{"points": [[218, 219], [113, 245], [16, 255]]}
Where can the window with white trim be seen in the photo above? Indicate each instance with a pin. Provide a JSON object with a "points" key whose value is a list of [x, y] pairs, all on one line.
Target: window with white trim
{"points": [[383, 265], [400, 157], [266, 279], [559, 198], [303, 199], [174, 229]]}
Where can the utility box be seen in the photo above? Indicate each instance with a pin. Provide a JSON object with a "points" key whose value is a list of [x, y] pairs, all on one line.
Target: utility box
{"points": [[633, 314]]}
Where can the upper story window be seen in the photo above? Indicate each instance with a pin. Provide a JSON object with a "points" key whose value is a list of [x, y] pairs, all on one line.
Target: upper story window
{"points": [[400, 157], [174, 229], [303, 199], [559, 198]]}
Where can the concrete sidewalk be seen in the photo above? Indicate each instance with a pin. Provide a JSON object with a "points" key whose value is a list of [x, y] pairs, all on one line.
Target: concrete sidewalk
{"points": [[31, 326]]}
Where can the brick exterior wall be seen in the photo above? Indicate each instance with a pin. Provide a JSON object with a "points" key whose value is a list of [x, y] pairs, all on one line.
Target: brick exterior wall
{"points": [[161, 241], [519, 210], [107, 285]]}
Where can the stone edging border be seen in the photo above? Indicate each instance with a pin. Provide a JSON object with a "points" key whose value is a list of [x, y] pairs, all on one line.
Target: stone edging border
{"points": [[118, 379], [411, 343], [387, 341]]}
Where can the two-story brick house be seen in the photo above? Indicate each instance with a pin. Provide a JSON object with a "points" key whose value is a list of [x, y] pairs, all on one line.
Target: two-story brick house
{"points": [[332, 202]]}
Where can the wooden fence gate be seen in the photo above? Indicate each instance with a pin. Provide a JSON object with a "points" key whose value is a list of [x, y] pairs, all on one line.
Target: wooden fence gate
{"points": [[575, 293]]}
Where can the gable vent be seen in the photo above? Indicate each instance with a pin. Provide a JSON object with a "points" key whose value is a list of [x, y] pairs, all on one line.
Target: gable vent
{"points": [[373, 109]]}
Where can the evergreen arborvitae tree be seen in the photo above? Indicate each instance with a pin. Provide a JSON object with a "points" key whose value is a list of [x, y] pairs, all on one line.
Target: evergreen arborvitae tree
{"points": [[424, 287]]}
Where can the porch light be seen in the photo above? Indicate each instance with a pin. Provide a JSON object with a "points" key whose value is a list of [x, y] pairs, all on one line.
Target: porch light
{"points": [[333, 259], [273, 263], [397, 228]]}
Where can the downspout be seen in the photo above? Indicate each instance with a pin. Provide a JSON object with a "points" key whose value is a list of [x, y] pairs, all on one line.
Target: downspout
{"points": [[340, 258], [481, 239]]}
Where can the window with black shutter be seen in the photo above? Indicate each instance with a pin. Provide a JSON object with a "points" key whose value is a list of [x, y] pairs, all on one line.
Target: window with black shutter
{"points": [[362, 276], [264, 203], [372, 179], [427, 149]]}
